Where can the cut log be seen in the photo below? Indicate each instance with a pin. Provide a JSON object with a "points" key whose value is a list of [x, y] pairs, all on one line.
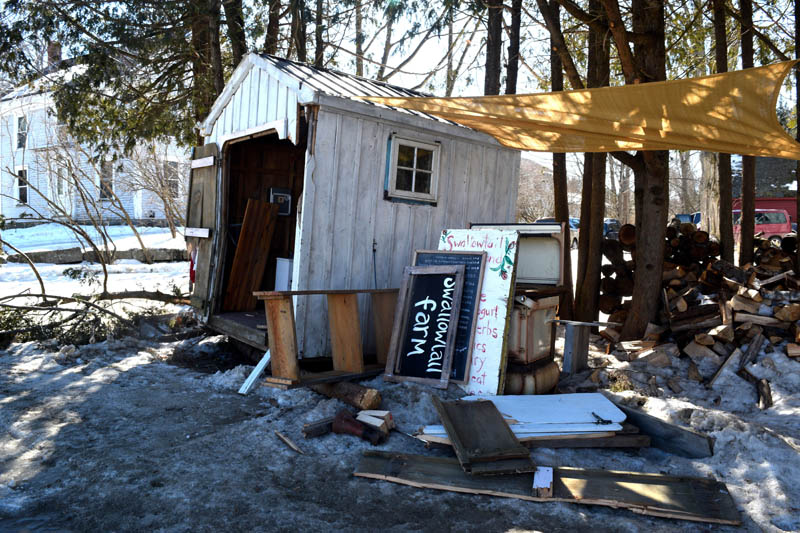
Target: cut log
{"points": [[627, 235], [704, 339], [764, 394], [318, 428], [761, 320], [729, 271], [723, 333], [793, 350], [752, 350], [350, 393], [698, 352], [788, 313], [729, 362], [740, 303]]}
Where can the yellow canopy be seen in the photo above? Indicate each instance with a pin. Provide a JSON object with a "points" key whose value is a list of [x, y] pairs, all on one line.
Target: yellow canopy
{"points": [[731, 113]]}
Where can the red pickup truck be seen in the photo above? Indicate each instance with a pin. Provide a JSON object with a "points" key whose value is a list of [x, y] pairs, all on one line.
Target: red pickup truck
{"points": [[773, 224]]}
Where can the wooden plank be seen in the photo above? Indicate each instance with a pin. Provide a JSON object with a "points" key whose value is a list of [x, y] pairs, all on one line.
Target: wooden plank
{"points": [[277, 295], [383, 306], [483, 442], [543, 482], [684, 498], [282, 338], [254, 375], [201, 212], [580, 440], [202, 233], [203, 162], [330, 376], [731, 359], [345, 327], [669, 437], [250, 258], [527, 429]]}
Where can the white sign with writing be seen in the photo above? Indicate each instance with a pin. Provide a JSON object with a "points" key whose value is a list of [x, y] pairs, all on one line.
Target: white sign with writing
{"points": [[491, 329]]}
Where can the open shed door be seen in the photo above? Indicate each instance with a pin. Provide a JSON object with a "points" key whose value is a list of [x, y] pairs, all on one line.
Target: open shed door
{"points": [[201, 213]]}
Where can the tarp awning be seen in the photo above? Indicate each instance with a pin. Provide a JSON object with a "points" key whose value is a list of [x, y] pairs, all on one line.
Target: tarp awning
{"points": [[731, 113]]}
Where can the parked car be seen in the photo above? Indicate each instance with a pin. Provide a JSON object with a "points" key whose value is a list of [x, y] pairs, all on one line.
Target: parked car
{"points": [[695, 218], [611, 228], [574, 226], [774, 224]]}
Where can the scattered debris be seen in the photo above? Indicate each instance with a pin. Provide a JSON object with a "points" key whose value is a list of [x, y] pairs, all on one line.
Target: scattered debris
{"points": [[286, 440]]}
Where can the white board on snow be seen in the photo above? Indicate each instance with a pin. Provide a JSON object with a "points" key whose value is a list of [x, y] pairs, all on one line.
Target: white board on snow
{"points": [[491, 326], [536, 430], [575, 408]]}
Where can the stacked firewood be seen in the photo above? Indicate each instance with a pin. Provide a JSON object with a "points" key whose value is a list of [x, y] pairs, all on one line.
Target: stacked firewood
{"points": [[688, 252]]}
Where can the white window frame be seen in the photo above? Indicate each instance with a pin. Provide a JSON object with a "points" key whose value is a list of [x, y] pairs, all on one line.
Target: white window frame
{"points": [[15, 139], [394, 192], [17, 187], [100, 182]]}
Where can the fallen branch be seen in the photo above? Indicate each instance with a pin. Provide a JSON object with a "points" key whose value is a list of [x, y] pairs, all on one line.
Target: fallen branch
{"points": [[145, 295], [49, 325], [71, 299]]}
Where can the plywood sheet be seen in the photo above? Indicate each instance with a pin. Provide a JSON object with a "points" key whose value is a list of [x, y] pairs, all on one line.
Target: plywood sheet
{"points": [[480, 436], [684, 498], [252, 252], [556, 408]]}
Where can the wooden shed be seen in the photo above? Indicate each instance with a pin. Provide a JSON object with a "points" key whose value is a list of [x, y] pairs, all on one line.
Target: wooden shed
{"points": [[365, 184]]}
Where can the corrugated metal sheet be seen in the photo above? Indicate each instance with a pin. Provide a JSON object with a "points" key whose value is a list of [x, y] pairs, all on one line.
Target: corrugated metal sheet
{"points": [[343, 85]]}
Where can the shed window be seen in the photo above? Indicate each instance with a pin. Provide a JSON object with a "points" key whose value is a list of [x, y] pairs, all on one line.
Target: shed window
{"points": [[106, 180], [22, 185], [414, 172], [22, 131]]}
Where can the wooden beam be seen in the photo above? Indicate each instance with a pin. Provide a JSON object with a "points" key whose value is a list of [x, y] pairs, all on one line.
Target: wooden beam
{"points": [[683, 498], [669, 437], [345, 329], [282, 338]]}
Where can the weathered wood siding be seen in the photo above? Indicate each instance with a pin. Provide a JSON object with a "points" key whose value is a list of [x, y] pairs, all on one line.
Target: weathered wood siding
{"points": [[344, 211], [261, 99]]}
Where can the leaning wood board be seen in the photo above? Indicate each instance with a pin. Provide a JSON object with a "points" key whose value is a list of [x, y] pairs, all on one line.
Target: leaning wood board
{"points": [[426, 319], [250, 259], [670, 437], [474, 264], [683, 498], [483, 442], [487, 369]]}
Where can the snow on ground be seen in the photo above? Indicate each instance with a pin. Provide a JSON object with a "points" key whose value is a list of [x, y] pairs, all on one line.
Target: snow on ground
{"points": [[110, 436], [45, 237]]}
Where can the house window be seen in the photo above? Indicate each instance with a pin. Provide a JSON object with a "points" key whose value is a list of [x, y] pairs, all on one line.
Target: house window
{"points": [[106, 180], [171, 178], [414, 170], [22, 185], [22, 131]]}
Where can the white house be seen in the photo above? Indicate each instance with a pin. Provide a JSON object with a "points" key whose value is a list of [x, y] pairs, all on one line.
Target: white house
{"points": [[368, 185], [43, 174]]}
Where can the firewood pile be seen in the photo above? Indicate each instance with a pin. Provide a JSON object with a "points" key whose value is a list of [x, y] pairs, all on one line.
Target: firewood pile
{"points": [[715, 313]]}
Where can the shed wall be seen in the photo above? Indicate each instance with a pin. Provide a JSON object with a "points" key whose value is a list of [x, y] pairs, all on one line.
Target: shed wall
{"points": [[344, 212]]}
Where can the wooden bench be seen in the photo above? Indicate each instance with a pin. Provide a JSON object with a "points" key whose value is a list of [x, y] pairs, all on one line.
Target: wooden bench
{"points": [[345, 326]]}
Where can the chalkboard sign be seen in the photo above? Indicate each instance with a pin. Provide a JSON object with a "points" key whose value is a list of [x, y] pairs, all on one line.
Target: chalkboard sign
{"points": [[474, 263], [425, 324]]}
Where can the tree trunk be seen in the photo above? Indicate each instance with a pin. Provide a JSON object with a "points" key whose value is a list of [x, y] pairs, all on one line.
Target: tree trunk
{"points": [[560, 196], [319, 44], [625, 191], [273, 27], [724, 161], [494, 43], [797, 110], [359, 40], [709, 190], [652, 177], [387, 46], [683, 159], [748, 162], [215, 52], [512, 69], [594, 187], [299, 29], [234, 19], [450, 78]]}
